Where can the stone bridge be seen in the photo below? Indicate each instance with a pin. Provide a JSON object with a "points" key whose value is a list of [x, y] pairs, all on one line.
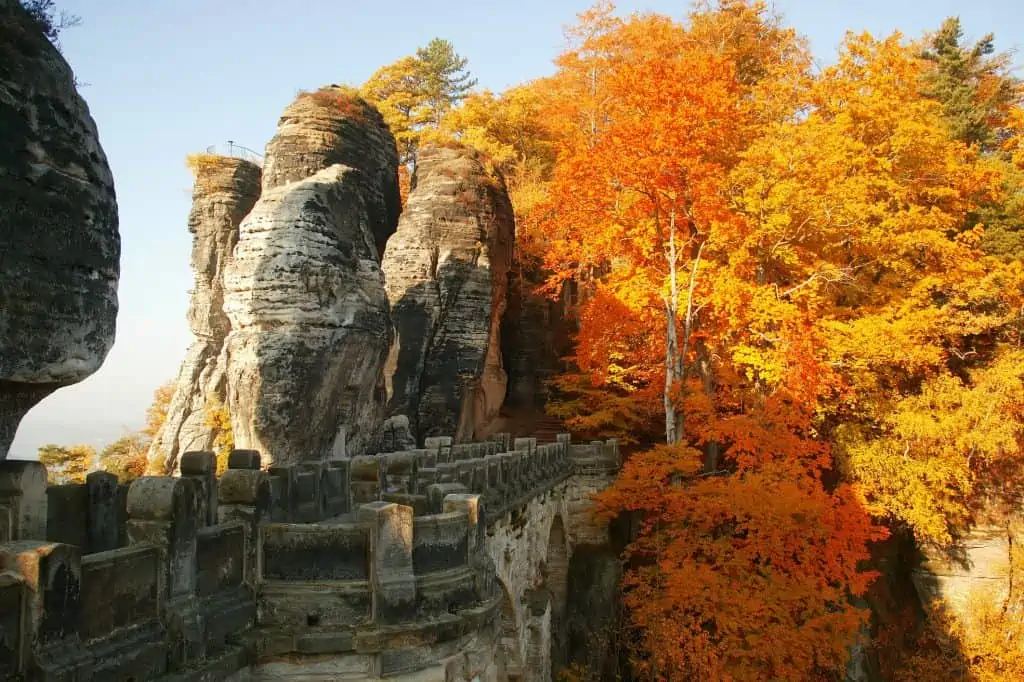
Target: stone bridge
{"points": [[445, 563]]}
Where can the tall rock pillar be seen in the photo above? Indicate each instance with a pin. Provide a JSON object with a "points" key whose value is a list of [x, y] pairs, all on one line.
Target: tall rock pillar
{"points": [[225, 191], [447, 271], [310, 325]]}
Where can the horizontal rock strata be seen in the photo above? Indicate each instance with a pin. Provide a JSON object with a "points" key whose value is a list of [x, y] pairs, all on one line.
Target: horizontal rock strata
{"points": [[58, 226], [225, 191], [447, 271], [309, 318]]}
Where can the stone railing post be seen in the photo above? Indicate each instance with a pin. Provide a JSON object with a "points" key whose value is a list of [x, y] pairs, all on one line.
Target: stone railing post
{"points": [[22, 501], [103, 528], [472, 506], [201, 467], [442, 445], [165, 511], [44, 578], [14, 645], [244, 495], [244, 459], [391, 574]]}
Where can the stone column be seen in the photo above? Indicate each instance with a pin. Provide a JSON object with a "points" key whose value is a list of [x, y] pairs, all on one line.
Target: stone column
{"points": [[391, 574], [244, 495], [201, 467], [14, 649], [538, 626], [49, 576], [473, 507], [22, 501], [102, 531], [244, 459], [165, 511]]}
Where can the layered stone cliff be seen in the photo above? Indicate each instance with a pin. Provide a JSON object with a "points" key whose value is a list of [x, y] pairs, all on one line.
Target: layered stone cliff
{"points": [[447, 271], [225, 191], [304, 292], [58, 226], [334, 126]]}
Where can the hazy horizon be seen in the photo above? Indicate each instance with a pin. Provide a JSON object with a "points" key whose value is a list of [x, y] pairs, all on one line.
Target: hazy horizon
{"points": [[165, 79]]}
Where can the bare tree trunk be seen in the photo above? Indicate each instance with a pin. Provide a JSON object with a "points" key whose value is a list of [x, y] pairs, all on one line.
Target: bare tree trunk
{"points": [[675, 359], [672, 434], [705, 371]]}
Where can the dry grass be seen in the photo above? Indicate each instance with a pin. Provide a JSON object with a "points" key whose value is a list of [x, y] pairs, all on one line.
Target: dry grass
{"points": [[341, 98], [204, 162]]}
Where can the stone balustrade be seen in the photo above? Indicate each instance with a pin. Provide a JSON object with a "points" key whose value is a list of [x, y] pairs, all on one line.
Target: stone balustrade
{"points": [[197, 577]]}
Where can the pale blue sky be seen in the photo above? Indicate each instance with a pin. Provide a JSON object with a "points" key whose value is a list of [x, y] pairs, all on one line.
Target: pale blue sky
{"points": [[170, 77]]}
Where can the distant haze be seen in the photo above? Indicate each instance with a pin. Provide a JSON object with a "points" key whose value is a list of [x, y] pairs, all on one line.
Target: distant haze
{"points": [[169, 77]]}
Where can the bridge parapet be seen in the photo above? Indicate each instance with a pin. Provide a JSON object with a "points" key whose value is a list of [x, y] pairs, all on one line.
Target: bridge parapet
{"points": [[378, 557]]}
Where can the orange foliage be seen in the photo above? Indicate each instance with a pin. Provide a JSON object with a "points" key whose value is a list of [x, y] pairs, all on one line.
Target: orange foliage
{"points": [[791, 266], [743, 577]]}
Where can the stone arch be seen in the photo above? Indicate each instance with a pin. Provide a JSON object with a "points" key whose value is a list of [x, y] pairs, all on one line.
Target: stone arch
{"points": [[509, 639], [556, 580]]}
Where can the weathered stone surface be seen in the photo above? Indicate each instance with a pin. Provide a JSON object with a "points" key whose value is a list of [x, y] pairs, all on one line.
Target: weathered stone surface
{"points": [[389, 591], [982, 562], [310, 324], [224, 192], [334, 126], [447, 271], [538, 335], [58, 226]]}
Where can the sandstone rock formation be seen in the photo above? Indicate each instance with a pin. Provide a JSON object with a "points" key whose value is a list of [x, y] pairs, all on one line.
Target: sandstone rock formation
{"points": [[304, 293], [225, 190], [539, 334], [980, 563], [334, 125], [447, 271], [58, 226]]}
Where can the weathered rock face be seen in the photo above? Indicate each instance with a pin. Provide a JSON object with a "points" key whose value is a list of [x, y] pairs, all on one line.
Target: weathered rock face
{"points": [[58, 226], [309, 319], [224, 193], [982, 563], [332, 126], [538, 334], [447, 270]]}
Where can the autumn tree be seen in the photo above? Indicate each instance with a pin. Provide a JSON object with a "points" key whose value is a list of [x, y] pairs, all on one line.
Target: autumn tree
{"points": [[415, 93], [638, 188], [642, 186], [744, 577], [156, 413], [217, 418], [397, 90], [126, 456], [67, 464]]}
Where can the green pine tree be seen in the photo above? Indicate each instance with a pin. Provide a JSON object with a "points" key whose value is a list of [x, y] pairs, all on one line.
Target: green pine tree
{"points": [[444, 78]]}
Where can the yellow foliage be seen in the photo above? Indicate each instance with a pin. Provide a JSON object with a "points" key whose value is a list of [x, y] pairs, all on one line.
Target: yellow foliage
{"points": [[67, 465], [156, 413], [945, 454], [218, 418], [203, 162]]}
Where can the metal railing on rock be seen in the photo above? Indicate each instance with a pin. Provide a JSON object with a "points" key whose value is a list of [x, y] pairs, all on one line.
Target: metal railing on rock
{"points": [[230, 148]]}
